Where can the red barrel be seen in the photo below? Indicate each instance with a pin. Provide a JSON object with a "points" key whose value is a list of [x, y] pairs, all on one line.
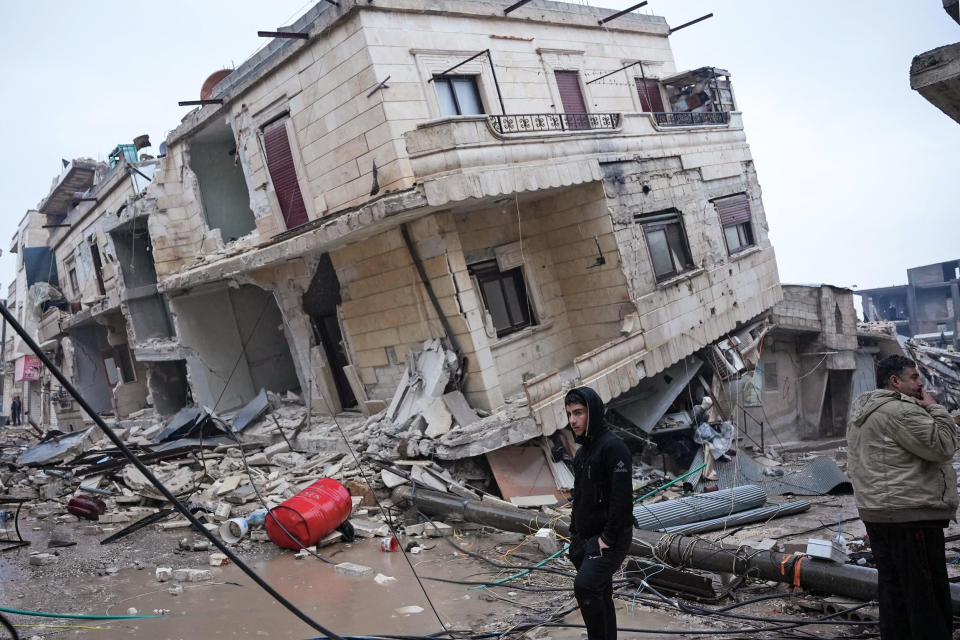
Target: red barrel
{"points": [[309, 515]]}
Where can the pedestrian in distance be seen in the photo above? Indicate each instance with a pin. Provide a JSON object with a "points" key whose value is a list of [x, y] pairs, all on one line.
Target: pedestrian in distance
{"points": [[15, 408], [601, 523], [900, 447]]}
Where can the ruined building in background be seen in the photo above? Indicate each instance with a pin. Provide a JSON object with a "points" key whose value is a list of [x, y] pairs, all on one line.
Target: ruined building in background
{"points": [[935, 74], [547, 196], [925, 308], [67, 293]]}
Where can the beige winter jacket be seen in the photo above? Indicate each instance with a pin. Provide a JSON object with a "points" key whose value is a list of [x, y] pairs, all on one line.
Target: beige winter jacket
{"points": [[900, 459]]}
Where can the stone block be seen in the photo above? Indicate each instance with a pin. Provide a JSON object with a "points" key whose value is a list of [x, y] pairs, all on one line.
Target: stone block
{"points": [[42, 559], [351, 569], [192, 575], [164, 574]]}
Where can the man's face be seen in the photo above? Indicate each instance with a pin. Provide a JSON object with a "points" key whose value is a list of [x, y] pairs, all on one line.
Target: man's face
{"points": [[908, 382], [579, 418]]}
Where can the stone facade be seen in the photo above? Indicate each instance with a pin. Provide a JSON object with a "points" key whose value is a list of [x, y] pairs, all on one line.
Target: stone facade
{"points": [[358, 217]]}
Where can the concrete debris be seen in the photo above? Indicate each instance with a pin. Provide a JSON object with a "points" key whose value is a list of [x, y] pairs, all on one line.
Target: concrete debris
{"points": [[352, 569]]}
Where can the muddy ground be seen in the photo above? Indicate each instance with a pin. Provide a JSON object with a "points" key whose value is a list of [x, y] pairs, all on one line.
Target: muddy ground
{"points": [[91, 578]]}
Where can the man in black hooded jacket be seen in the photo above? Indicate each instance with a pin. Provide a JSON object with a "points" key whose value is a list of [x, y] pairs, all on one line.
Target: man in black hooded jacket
{"points": [[601, 524]]}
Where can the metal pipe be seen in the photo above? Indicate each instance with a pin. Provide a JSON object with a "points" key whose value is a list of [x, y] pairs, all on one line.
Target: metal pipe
{"points": [[142, 468], [626, 66], [692, 22], [515, 5], [621, 13], [675, 549]]}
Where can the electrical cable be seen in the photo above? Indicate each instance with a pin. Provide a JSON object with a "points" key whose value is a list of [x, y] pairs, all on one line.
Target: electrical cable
{"points": [[9, 627], [70, 616], [142, 468]]}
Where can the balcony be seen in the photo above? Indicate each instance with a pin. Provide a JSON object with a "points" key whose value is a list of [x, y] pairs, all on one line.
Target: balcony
{"points": [[691, 118], [489, 156], [553, 122]]}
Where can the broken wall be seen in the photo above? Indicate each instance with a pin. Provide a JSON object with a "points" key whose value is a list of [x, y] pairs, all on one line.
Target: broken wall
{"points": [[234, 341], [89, 371], [223, 188], [386, 310], [168, 386]]}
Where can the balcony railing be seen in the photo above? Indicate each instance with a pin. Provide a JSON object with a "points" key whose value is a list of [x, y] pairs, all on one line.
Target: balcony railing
{"points": [[537, 122], [689, 119]]}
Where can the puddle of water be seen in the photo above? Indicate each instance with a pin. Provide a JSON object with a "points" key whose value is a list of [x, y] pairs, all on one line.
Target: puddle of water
{"points": [[235, 607]]}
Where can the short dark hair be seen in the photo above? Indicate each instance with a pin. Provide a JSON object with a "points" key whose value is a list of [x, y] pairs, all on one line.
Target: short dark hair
{"points": [[891, 366], [574, 397]]}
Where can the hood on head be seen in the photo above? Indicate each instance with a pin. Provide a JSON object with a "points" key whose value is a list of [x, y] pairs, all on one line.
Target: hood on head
{"points": [[596, 410], [869, 402]]}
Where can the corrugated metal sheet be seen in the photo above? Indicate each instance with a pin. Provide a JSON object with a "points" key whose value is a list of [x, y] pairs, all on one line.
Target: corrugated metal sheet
{"points": [[819, 477], [759, 514], [656, 517]]}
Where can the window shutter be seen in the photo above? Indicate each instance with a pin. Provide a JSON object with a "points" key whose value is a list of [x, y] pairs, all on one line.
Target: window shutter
{"points": [[568, 83], [733, 210], [650, 100], [284, 174]]}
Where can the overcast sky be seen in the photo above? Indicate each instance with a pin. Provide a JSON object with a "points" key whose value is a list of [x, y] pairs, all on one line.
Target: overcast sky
{"points": [[858, 172]]}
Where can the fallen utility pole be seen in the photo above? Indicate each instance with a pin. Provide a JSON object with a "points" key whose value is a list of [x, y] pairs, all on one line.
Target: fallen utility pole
{"points": [[846, 580]]}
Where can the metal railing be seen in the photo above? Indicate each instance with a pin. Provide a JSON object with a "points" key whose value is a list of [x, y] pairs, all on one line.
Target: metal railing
{"points": [[536, 122], [688, 119]]}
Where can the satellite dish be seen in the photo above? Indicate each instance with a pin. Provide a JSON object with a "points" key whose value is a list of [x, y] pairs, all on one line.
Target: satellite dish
{"points": [[206, 91]]}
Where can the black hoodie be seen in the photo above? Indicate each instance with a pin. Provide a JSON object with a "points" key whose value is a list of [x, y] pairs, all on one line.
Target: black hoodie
{"points": [[603, 487]]}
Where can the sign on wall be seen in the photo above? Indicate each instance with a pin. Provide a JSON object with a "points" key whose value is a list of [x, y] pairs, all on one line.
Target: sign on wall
{"points": [[27, 368]]}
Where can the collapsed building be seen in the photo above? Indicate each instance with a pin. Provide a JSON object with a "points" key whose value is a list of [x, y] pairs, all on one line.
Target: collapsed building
{"points": [[926, 308], [546, 196]]}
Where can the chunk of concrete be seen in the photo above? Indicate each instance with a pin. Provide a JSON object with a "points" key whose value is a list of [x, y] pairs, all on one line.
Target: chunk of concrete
{"points": [[218, 559], [391, 480], [352, 569], [42, 559], [192, 575], [164, 574]]}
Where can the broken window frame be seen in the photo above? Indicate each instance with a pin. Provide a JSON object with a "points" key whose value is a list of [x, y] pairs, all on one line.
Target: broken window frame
{"points": [[97, 266], [668, 221], [452, 81], [487, 273]]}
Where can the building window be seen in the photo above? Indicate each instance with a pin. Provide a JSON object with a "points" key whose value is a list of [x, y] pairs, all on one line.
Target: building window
{"points": [[458, 95], [667, 242], [504, 295], [734, 214]]}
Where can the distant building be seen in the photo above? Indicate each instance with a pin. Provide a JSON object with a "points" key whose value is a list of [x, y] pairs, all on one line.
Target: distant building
{"points": [[924, 308]]}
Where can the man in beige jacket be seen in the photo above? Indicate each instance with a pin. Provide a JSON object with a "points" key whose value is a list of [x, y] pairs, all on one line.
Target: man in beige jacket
{"points": [[900, 449]]}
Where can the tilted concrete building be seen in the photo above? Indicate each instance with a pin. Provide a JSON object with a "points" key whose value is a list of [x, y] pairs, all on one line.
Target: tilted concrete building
{"points": [[80, 321], [935, 74], [546, 194]]}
